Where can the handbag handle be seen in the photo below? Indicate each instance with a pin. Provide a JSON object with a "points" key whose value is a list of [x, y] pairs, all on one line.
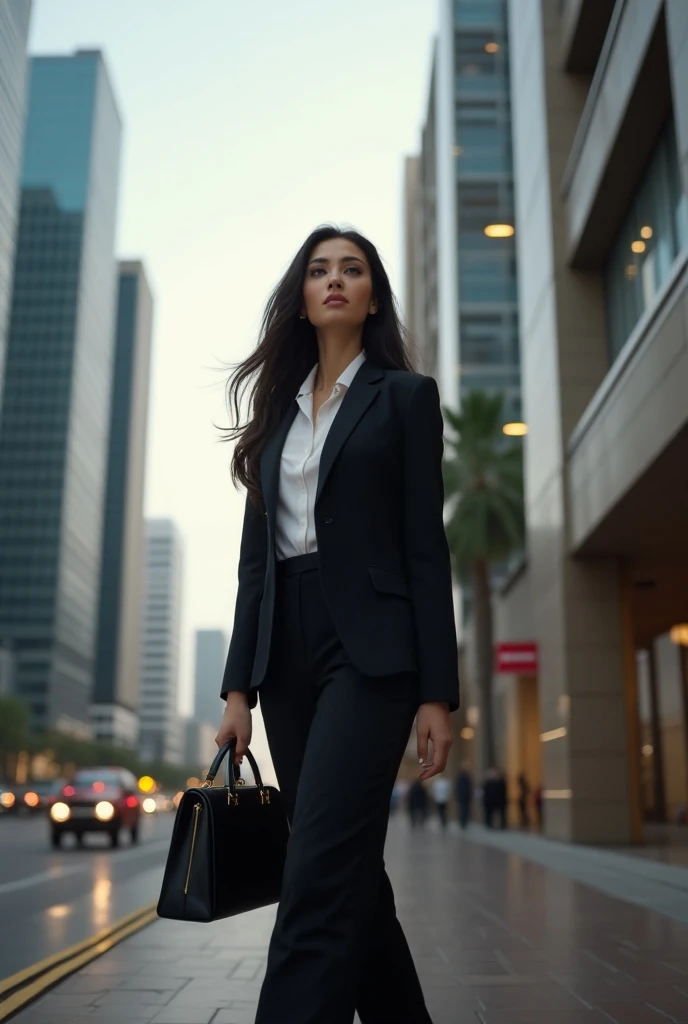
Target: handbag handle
{"points": [[231, 781]]}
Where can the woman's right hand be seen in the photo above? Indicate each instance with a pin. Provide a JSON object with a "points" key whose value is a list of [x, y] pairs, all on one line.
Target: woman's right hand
{"points": [[236, 724]]}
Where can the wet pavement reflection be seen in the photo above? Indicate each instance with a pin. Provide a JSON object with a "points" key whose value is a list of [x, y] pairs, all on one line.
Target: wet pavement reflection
{"points": [[55, 898]]}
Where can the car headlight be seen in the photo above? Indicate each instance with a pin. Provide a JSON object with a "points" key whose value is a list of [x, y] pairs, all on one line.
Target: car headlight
{"points": [[7, 800], [60, 812], [104, 810], [149, 805], [31, 799]]}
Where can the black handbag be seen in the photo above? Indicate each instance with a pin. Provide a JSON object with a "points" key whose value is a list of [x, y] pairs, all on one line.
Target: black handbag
{"points": [[228, 847]]}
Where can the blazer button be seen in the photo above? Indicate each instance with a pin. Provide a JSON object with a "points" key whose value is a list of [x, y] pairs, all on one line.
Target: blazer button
{"points": [[328, 520]]}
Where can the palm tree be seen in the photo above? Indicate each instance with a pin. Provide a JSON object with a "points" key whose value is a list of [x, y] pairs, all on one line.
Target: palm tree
{"points": [[483, 479]]}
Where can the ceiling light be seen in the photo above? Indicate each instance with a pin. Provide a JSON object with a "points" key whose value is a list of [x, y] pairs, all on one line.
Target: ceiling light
{"points": [[514, 429], [679, 634], [638, 246], [646, 232], [499, 230], [553, 734], [492, 47]]}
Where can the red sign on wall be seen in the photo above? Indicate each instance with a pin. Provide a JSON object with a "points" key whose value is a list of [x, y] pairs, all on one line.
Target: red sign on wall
{"points": [[517, 658]]}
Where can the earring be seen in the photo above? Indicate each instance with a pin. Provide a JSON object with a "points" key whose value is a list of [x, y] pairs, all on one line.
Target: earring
{"points": [[301, 316]]}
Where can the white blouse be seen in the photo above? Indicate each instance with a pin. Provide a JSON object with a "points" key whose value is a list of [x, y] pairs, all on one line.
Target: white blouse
{"points": [[300, 464]]}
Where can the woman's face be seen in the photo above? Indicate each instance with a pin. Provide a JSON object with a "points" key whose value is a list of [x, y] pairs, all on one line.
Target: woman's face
{"points": [[338, 288]]}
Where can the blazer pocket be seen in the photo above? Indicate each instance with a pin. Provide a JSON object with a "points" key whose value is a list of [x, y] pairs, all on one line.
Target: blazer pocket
{"points": [[387, 581]]}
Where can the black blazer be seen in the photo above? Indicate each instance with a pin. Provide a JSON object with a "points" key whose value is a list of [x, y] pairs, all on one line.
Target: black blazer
{"points": [[383, 554]]}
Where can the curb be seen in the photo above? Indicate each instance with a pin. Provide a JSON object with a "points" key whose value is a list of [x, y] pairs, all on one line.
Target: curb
{"points": [[22, 988]]}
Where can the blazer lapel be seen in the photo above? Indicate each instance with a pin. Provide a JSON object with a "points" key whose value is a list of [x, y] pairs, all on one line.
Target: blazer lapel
{"points": [[270, 462], [364, 390]]}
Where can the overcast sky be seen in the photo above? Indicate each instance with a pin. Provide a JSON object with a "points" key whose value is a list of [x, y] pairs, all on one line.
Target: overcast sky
{"points": [[245, 126]]}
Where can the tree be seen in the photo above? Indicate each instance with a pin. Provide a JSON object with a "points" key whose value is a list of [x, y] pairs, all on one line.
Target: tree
{"points": [[483, 479], [14, 730]]}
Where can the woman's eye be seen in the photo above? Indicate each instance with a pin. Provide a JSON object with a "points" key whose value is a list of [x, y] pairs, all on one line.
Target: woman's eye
{"points": [[317, 270], [356, 270]]}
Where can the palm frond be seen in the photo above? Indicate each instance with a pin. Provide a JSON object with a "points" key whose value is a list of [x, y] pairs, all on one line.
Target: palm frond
{"points": [[483, 479]]}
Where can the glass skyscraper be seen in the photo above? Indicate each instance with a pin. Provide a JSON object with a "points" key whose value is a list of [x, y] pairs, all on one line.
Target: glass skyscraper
{"points": [[211, 652], [116, 692], [55, 415], [14, 29], [460, 252]]}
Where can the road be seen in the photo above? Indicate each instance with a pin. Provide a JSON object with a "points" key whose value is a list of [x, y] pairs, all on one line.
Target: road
{"points": [[50, 899]]}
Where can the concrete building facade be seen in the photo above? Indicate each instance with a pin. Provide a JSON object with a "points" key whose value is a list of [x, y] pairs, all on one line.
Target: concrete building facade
{"points": [[600, 109], [161, 735], [114, 712]]}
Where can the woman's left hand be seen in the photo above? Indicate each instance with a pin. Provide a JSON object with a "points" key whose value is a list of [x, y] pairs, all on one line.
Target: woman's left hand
{"points": [[433, 723]]}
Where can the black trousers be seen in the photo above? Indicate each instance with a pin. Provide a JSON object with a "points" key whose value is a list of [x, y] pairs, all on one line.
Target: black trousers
{"points": [[336, 739]]}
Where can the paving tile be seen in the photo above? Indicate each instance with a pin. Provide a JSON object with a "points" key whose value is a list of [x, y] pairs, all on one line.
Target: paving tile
{"points": [[234, 1017], [632, 1012], [62, 1002], [124, 998], [188, 1016]]}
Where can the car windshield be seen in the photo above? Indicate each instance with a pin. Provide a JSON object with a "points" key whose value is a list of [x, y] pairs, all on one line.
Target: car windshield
{"points": [[91, 775]]}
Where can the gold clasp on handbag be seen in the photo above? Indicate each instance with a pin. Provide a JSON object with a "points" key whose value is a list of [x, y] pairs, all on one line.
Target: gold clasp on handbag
{"points": [[265, 796]]}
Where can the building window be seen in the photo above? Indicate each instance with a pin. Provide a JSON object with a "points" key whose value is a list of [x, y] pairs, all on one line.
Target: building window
{"points": [[481, 63], [483, 137], [478, 12], [654, 233]]}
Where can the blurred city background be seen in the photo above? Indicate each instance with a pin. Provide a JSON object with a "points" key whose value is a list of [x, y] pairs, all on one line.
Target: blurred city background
{"points": [[522, 166]]}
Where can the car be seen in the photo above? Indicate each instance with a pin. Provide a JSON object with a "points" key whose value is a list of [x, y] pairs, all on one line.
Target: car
{"points": [[8, 798], [39, 796], [96, 800]]}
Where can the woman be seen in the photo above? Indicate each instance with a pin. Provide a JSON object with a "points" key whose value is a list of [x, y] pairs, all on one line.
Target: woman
{"points": [[344, 619]]}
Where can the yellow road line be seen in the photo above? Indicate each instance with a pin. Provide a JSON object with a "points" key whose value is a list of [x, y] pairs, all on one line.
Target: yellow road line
{"points": [[34, 980]]}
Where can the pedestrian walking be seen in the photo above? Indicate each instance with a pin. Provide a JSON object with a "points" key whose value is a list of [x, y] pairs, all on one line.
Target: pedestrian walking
{"points": [[490, 795], [417, 803], [441, 791], [344, 618], [523, 798], [399, 792], [464, 795], [501, 798]]}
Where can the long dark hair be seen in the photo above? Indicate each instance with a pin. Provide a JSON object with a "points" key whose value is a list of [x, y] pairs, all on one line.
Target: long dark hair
{"points": [[288, 350]]}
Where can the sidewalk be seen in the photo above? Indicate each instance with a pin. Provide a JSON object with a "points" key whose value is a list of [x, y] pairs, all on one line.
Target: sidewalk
{"points": [[498, 939]]}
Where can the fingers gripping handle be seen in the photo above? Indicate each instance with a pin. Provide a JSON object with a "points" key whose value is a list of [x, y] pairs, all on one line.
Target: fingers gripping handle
{"points": [[232, 773]]}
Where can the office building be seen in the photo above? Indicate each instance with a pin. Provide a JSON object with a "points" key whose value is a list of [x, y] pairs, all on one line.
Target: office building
{"points": [[14, 29], [199, 743], [6, 672], [116, 696], [600, 107], [461, 296], [161, 728], [211, 652], [55, 415]]}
